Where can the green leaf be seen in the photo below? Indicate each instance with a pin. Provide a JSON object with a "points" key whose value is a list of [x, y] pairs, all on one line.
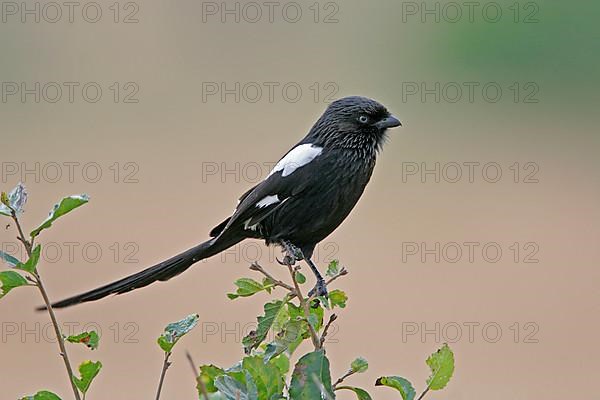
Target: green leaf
{"points": [[333, 269], [88, 371], [67, 204], [15, 200], [10, 260], [236, 389], [267, 377], [10, 280], [442, 367], [265, 322], [284, 339], [338, 298], [175, 330], [282, 362], [359, 365], [246, 287], [311, 378], [361, 394], [42, 395], [31, 263], [90, 339], [300, 278], [400, 384], [208, 374]]}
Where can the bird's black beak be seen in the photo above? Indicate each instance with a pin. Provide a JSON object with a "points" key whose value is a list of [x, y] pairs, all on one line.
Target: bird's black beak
{"points": [[389, 122]]}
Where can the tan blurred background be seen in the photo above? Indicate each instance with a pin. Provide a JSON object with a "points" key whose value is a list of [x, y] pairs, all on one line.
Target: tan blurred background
{"points": [[522, 327]]}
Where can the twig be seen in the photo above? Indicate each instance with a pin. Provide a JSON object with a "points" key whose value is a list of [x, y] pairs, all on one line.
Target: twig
{"points": [[424, 393], [305, 306], [166, 365], [326, 329], [201, 385], [257, 267], [341, 379], [38, 282]]}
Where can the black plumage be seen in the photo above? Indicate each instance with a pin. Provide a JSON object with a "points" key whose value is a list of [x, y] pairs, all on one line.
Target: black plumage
{"points": [[310, 191]]}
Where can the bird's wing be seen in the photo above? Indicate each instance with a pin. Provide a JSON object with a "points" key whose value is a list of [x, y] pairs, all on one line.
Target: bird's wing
{"points": [[289, 177]]}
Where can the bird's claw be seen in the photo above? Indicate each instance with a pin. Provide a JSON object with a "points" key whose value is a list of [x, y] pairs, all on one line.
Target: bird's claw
{"points": [[287, 260], [320, 289]]}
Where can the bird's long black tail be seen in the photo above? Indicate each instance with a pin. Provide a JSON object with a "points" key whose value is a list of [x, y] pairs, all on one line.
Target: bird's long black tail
{"points": [[159, 272]]}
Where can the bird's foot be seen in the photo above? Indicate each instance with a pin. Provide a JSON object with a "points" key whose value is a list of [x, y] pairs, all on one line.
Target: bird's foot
{"points": [[292, 255], [320, 289]]}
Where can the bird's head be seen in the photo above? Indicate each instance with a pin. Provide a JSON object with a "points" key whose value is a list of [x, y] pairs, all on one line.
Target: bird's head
{"points": [[353, 122]]}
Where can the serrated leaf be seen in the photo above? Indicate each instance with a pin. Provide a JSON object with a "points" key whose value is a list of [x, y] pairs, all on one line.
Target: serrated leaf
{"points": [[311, 378], [32, 262], [66, 205], [88, 370], [267, 377], [290, 334], [406, 389], [175, 330], [42, 395], [9, 281], [338, 298], [361, 394], [208, 374], [442, 367], [359, 365], [265, 322], [10, 260], [246, 287], [333, 269], [90, 339]]}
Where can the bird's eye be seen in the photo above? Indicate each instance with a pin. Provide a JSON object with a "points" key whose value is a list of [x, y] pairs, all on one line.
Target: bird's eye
{"points": [[363, 119]]}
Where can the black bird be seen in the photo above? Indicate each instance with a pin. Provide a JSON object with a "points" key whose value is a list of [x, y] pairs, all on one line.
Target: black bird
{"points": [[307, 195]]}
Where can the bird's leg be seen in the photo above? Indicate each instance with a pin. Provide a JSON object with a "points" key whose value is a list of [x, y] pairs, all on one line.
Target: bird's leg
{"points": [[320, 288], [292, 253]]}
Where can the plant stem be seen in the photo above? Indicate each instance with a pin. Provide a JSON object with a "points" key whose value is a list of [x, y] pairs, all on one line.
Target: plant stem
{"points": [[326, 329], [305, 306], [424, 393], [40, 285], [166, 365], [340, 380]]}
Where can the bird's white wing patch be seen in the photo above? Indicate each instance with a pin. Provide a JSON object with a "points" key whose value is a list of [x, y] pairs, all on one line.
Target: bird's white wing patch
{"points": [[267, 201], [296, 158]]}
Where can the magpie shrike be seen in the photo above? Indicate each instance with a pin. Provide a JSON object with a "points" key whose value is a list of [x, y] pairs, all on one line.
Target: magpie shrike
{"points": [[307, 195]]}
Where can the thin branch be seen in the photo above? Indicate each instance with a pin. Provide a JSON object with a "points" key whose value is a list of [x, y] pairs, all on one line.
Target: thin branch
{"points": [[305, 306], [201, 386], [424, 393], [38, 282], [326, 329], [21, 236], [166, 365], [341, 379], [257, 267]]}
